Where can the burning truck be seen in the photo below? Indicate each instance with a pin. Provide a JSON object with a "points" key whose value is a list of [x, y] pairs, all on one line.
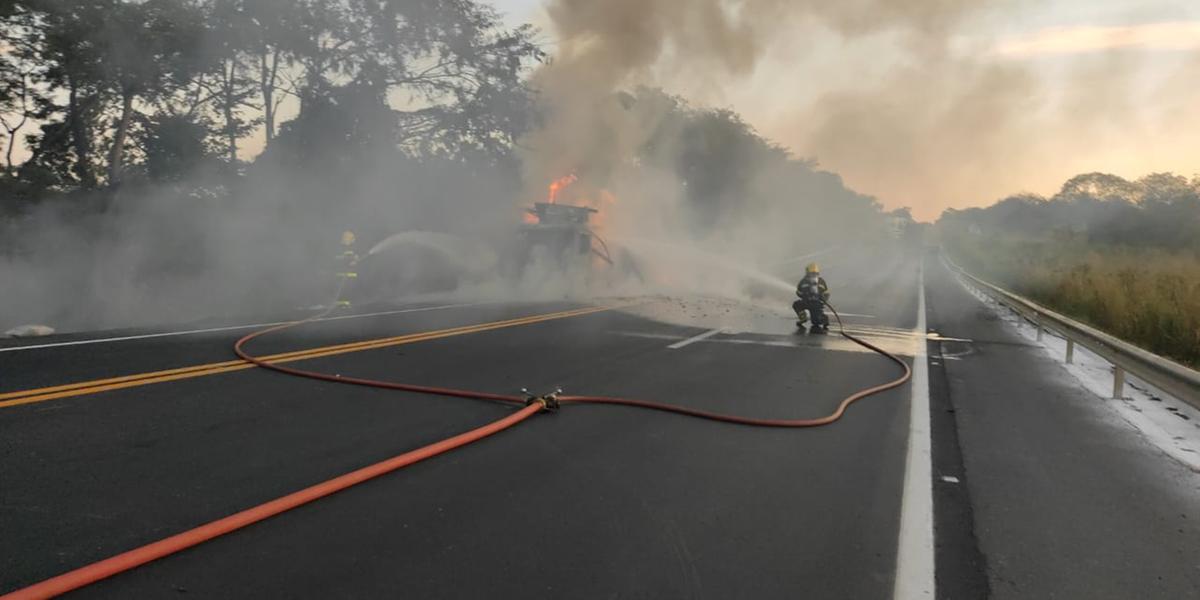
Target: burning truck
{"points": [[561, 234], [561, 238], [556, 243]]}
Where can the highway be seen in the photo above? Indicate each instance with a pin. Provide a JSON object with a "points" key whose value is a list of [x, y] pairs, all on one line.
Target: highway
{"points": [[1021, 491]]}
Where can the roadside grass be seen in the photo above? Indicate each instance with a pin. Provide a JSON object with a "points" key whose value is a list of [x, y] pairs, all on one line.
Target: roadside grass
{"points": [[1148, 297]]}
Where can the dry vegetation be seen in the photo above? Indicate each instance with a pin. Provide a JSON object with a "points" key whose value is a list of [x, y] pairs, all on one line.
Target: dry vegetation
{"points": [[1147, 296]]}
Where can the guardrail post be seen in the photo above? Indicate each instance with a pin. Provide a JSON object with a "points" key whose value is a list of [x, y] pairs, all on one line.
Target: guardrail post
{"points": [[1171, 377]]}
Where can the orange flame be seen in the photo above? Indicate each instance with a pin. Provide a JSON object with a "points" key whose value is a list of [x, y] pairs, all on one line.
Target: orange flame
{"points": [[558, 185]]}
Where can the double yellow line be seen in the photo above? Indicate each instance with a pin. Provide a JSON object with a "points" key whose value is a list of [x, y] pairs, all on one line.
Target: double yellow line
{"points": [[116, 383]]}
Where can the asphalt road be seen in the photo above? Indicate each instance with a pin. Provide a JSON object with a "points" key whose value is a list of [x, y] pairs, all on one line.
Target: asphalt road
{"points": [[1066, 499], [591, 501]]}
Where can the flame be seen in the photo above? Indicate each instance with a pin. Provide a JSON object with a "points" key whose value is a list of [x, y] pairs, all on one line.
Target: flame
{"points": [[602, 200], [558, 185]]}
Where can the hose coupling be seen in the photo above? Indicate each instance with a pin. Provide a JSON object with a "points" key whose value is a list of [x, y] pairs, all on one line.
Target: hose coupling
{"points": [[549, 401]]}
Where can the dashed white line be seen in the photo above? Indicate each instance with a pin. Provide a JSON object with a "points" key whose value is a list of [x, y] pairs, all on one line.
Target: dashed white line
{"points": [[694, 339], [231, 328], [914, 552]]}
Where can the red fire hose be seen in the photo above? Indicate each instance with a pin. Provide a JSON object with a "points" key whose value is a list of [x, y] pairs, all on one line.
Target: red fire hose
{"points": [[132, 559]]}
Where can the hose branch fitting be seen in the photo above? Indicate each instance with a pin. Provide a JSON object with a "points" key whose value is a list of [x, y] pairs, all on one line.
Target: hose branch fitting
{"points": [[549, 401]]}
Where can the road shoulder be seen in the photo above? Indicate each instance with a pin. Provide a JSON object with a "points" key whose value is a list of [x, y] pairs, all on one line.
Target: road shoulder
{"points": [[1067, 502]]}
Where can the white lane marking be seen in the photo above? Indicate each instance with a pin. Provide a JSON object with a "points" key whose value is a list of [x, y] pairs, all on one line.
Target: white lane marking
{"points": [[694, 339], [914, 551], [833, 342], [649, 336], [949, 479], [766, 343], [231, 328], [936, 337], [899, 334]]}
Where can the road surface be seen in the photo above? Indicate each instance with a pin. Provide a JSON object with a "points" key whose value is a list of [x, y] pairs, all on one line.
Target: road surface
{"points": [[1032, 497]]}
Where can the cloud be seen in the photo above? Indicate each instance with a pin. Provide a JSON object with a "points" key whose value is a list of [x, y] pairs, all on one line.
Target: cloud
{"points": [[1171, 36]]}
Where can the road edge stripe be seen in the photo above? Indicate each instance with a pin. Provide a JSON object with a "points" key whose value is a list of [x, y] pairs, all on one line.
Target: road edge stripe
{"points": [[915, 567]]}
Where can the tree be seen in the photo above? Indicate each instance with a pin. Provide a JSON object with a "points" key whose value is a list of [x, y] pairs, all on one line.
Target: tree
{"points": [[175, 147], [20, 37], [62, 149], [1098, 187], [269, 27], [455, 59], [721, 156], [446, 75], [338, 130], [1161, 210], [1171, 205], [458, 71], [227, 78], [146, 50], [1164, 189]]}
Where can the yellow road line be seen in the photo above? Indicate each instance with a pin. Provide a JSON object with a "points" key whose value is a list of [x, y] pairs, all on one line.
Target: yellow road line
{"points": [[99, 382], [298, 353], [115, 383]]}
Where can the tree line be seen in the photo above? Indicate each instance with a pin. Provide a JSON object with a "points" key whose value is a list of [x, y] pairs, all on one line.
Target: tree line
{"points": [[1118, 254], [732, 174], [103, 92], [1161, 210]]}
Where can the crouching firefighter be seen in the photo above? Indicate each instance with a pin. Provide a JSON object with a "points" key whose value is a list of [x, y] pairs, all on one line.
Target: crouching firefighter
{"points": [[347, 273], [813, 293]]}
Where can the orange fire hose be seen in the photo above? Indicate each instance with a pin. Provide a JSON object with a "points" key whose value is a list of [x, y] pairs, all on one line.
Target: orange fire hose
{"points": [[132, 559], [818, 422]]}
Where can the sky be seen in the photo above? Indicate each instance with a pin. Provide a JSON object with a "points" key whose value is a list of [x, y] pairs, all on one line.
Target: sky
{"points": [[1015, 96]]}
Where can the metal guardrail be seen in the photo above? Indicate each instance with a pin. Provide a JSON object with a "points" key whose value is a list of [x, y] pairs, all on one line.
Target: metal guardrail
{"points": [[1164, 374]]}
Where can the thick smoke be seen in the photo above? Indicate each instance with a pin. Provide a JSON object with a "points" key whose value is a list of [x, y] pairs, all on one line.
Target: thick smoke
{"points": [[156, 255], [914, 101], [608, 46], [593, 128]]}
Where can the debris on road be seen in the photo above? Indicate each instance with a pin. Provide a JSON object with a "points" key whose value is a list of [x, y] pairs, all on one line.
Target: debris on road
{"points": [[27, 331]]}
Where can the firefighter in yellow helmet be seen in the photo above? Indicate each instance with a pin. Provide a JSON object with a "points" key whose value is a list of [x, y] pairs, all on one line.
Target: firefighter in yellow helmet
{"points": [[812, 292]]}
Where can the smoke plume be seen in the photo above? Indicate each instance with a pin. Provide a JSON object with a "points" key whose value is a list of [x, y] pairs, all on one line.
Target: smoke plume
{"points": [[913, 101], [604, 47]]}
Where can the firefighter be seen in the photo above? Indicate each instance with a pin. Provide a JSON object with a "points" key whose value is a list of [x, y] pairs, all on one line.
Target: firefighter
{"points": [[813, 292], [347, 271]]}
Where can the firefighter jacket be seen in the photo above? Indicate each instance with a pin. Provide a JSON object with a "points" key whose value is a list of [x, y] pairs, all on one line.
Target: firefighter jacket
{"points": [[813, 289]]}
